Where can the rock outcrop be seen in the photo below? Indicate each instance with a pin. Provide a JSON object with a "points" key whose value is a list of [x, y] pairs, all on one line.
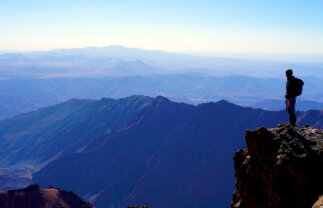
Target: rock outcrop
{"points": [[34, 197], [282, 167], [318, 203]]}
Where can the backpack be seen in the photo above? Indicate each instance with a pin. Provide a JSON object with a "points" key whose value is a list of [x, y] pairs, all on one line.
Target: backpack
{"points": [[298, 86]]}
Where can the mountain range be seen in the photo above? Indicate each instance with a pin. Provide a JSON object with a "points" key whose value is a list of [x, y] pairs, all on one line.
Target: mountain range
{"points": [[23, 94], [170, 154], [135, 150], [37, 137], [13, 104], [81, 59], [32, 80]]}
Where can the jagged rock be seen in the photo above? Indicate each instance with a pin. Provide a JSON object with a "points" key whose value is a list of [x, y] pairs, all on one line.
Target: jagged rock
{"points": [[34, 197], [282, 167], [318, 203]]}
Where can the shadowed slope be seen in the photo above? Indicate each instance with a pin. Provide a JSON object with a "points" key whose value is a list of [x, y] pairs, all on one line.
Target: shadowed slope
{"points": [[169, 155], [37, 137]]}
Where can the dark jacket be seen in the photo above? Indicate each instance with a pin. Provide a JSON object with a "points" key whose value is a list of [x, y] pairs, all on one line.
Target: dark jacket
{"points": [[290, 86]]}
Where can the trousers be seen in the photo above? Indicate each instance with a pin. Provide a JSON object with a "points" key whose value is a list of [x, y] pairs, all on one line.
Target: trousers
{"points": [[290, 108]]}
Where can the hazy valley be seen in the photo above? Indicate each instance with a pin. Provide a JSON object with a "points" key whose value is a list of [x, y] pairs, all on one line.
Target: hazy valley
{"points": [[33, 80]]}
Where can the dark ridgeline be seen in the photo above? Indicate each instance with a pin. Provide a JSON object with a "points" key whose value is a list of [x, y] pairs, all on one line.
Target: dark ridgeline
{"points": [[169, 155], [34, 197]]}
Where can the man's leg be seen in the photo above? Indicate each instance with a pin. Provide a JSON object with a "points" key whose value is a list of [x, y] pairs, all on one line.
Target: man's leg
{"points": [[292, 115], [292, 119]]}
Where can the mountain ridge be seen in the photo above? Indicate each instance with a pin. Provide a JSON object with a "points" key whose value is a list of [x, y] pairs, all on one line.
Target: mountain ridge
{"points": [[158, 141], [68, 119], [34, 197], [125, 144]]}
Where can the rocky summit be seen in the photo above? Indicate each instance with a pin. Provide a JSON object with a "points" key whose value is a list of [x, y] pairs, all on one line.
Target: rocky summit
{"points": [[281, 167], [318, 203], [34, 197]]}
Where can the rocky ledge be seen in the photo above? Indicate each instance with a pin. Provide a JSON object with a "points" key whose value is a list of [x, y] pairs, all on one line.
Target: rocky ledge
{"points": [[34, 197], [281, 168]]}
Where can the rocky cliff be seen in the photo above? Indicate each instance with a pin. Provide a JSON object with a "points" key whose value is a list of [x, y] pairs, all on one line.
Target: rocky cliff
{"points": [[318, 203], [281, 167], [34, 197]]}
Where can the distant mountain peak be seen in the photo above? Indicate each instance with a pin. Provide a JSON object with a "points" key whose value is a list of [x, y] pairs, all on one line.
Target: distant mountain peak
{"points": [[220, 104], [115, 46], [161, 100], [224, 102]]}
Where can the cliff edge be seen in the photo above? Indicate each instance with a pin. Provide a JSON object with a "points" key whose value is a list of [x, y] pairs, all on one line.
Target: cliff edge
{"points": [[281, 167], [34, 197]]}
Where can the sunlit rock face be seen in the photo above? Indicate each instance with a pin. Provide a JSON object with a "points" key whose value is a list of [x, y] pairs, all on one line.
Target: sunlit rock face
{"points": [[34, 197], [318, 203]]}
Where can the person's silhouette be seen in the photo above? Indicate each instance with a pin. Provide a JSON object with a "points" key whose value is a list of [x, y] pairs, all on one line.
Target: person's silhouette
{"points": [[290, 97]]}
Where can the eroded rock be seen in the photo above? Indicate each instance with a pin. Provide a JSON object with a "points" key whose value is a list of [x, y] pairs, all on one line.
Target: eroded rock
{"points": [[34, 197], [282, 167]]}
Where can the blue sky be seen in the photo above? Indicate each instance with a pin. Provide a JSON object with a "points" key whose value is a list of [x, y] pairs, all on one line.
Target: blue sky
{"points": [[244, 26]]}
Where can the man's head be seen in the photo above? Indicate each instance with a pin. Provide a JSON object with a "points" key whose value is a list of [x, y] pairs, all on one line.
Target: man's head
{"points": [[289, 72]]}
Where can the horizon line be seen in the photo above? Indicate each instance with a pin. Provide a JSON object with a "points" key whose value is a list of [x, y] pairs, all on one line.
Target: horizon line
{"points": [[209, 54]]}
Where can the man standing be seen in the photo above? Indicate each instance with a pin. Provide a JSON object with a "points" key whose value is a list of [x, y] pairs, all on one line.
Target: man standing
{"points": [[294, 87]]}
